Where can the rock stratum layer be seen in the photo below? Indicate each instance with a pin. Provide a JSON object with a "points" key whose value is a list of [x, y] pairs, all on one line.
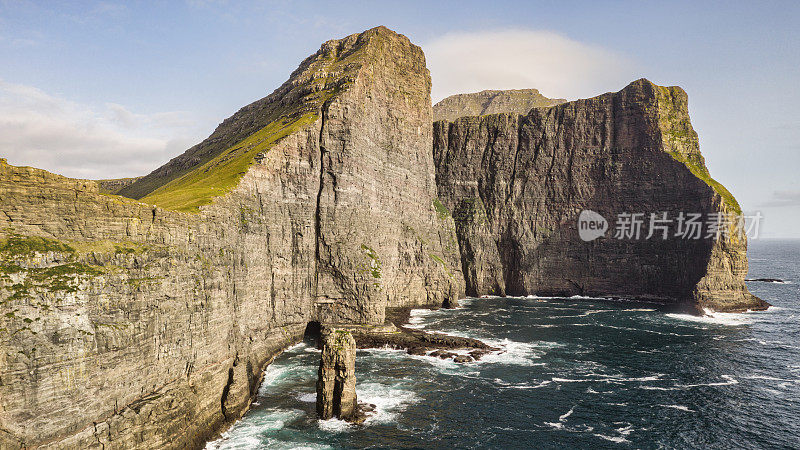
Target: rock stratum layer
{"points": [[147, 323], [518, 101]]}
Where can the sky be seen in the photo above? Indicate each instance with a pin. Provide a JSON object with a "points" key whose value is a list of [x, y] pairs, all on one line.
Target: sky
{"points": [[105, 89]]}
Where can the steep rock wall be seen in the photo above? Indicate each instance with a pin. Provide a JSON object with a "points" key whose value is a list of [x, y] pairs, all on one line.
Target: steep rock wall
{"points": [[517, 183], [128, 325]]}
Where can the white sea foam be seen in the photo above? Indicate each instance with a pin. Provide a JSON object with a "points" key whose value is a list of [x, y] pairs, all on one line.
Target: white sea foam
{"points": [[308, 398], [334, 425], [728, 381], [513, 352], [569, 380], [618, 379], [296, 347], [466, 301], [417, 317], [274, 373], [506, 385], [420, 318], [389, 401], [277, 375], [626, 430], [769, 378], [596, 311], [617, 439], [659, 388], [563, 417], [246, 434], [716, 318], [678, 407]]}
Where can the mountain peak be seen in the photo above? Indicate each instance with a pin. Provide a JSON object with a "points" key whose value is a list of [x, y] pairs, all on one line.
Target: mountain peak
{"points": [[212, 167]]}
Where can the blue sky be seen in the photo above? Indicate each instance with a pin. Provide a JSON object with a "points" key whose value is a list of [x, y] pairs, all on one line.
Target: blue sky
{"points": [[105, 89]]}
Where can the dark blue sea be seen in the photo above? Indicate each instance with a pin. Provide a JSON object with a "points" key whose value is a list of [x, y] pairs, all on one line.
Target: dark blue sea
{"points": [[574, 373]]}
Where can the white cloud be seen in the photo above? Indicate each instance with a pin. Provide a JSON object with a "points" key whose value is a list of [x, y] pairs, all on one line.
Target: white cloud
{"points": [[516, 59], [77, 140]]}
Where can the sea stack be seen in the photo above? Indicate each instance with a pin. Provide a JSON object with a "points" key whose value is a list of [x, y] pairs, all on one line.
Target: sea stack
{"points": [[336, 385]]}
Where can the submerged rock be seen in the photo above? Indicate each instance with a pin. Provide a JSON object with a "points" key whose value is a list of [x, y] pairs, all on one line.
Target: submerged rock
{"points": [[395, 335], [766, 280]]}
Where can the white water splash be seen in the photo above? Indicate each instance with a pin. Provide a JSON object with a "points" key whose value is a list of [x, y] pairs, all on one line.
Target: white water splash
{"points": [[247, 434], [334, 425], [716, 318], [308, 398], [389, 401]]}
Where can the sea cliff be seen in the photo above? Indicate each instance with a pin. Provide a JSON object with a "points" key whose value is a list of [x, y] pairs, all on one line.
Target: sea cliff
{"points": [[516, 185], [145, 320]]}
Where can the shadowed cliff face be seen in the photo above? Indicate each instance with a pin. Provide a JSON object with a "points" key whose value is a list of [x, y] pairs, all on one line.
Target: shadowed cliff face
{"points": [[134, 326], [516, 185], [147, 324]]}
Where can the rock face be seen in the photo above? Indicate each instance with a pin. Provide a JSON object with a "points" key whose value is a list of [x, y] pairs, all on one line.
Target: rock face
{"points": [[147, 324], [115, 185], [336, 383], [518, 101], [128, 325], [517, 183]]}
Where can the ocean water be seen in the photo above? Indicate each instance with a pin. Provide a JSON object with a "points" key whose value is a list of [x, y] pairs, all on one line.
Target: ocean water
{"points": [[574, 372]]}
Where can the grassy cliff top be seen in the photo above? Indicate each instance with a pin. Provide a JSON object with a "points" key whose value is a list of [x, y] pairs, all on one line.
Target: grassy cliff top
{"points": [[681, 141], [215, 166]]}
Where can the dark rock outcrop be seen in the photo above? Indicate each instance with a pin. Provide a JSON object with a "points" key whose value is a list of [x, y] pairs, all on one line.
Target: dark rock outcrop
{"points": [[336, 382], [417, 342], [516, 184], [766, 280], [518, 101]]}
